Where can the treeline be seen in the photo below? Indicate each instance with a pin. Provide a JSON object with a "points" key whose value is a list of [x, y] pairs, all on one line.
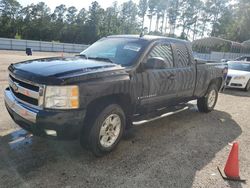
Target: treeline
{"points": [[191, 19]]}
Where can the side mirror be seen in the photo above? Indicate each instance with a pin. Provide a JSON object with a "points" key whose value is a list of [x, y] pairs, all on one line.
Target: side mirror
{"points": [[155, 63]]}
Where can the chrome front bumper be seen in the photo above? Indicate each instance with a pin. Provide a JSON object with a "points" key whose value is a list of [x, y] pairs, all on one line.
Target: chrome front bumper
{"points": [[19, 108]]}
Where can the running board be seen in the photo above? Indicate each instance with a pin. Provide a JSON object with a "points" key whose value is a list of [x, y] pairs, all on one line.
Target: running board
{"points": [[159, 117]]}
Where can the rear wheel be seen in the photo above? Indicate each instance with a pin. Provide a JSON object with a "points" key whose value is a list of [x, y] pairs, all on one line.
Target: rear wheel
{"points": [[208, 102], [104, 130], [247, 88]]}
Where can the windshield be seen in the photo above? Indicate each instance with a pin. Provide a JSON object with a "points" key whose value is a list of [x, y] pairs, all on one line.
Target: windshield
{"points": [[120, 51], [239, 66]]}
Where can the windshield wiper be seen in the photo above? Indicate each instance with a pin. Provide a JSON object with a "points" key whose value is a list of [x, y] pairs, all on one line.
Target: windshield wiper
{"points": [[101, 59]]}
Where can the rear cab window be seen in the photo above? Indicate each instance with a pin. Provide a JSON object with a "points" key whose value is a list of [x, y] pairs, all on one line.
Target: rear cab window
{"points": [[182, 55]]}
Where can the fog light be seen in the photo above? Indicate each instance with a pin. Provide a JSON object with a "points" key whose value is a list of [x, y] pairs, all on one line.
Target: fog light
{"points": [[51, 132]]}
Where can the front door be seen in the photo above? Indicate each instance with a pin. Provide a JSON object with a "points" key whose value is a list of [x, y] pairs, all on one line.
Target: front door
{"points": [[157, 87]]}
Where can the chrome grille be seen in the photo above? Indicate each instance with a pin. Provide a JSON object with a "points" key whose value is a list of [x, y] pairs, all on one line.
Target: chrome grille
{"points": [[27, 92]]}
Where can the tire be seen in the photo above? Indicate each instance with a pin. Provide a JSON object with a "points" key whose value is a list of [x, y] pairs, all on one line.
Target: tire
{"points": [[247, 88], [103, 130], [207, 103]]}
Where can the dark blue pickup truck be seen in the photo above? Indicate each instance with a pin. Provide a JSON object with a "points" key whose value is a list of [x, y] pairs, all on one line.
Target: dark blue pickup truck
{"points": [[96, 95]]}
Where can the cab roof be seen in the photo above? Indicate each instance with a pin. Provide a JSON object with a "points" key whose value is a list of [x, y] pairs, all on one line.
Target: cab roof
{"points": [[150, 38]]}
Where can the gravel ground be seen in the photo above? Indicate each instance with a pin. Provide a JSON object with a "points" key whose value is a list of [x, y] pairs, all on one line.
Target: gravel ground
{"points": [[182, 150]]}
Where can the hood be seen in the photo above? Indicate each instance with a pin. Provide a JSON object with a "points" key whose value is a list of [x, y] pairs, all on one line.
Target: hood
{"points": [[60, 68], [232, 72]]}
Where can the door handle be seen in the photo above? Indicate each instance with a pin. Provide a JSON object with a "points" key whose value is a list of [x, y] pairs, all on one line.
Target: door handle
{"points": [[171, 77]]}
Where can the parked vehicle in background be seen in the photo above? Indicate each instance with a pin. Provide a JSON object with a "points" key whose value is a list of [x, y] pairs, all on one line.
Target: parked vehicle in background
{"points": [[114, 82], [243, 58], [238, 75], [239, 59]]}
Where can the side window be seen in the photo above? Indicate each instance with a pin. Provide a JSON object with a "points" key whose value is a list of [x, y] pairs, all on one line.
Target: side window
{"points": [[182, 55], [164, 51]]}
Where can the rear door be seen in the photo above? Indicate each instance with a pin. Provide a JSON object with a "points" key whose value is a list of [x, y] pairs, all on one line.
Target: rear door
{"points": [[185, 71]]}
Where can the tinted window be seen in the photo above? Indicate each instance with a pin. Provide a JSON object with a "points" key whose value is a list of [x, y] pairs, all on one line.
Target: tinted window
{"points": [[164, 51], [182, 55]]}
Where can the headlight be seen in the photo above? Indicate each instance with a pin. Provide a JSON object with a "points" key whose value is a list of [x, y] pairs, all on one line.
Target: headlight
{"points": [[62, 97], [239, 77]]}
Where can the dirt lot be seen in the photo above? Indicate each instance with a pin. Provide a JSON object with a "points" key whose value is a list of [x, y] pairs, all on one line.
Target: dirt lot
{"points": [[182, 150]]}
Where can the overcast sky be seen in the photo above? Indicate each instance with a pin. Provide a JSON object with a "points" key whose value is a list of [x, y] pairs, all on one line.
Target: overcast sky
{"points": [[77, 3]]}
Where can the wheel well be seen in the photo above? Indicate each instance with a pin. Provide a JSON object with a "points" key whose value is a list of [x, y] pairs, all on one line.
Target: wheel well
{"points": [[121, 99], [217, 82]]}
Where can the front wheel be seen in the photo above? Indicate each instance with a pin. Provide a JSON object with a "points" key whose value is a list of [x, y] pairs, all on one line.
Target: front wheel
{"points": [[207, 103], [105, 130]]}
